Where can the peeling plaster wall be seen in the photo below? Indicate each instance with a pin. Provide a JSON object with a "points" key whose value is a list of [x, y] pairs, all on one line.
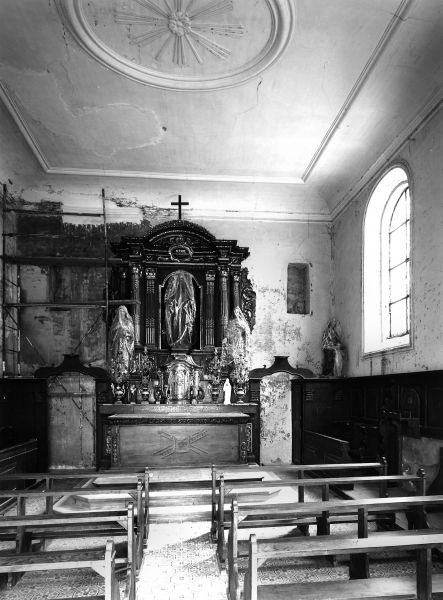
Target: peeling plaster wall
{"points": [[275, 419], [423, 155]]}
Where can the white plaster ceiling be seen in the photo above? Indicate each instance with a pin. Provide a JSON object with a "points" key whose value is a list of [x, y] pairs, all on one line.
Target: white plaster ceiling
{"points": [[313, 94]]}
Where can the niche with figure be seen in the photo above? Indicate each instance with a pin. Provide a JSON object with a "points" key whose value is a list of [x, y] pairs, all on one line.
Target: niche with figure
{"points": [[180, 312]]}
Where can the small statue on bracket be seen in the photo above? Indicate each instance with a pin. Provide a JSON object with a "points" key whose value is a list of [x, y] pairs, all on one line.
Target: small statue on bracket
{"points": [[227, 392], [333, 349], [235, 352], [121, 346], [121, 339]]}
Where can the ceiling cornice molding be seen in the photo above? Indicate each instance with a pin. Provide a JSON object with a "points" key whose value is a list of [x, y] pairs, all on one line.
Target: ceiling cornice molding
{"points": [[262, 216], [282, 19], [426, 113], [397, 18], [174, 176], [14, 110]]}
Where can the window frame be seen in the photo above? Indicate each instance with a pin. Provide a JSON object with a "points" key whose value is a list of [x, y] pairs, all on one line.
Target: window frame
{"points": [[376, 293]]}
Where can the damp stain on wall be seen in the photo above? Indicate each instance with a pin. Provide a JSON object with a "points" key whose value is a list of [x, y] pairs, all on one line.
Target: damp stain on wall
{"points": [[275, 417]]}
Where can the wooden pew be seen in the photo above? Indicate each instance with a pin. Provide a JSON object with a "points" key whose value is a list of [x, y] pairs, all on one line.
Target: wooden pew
{"points": [[299, 472], [102, 560], [47, 480], [100, 523], [73, 525], [418, 587], [325, 484], [125, 555], [259, 517]]}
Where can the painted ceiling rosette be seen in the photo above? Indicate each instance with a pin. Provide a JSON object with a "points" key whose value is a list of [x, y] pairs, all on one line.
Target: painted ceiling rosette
{"points": [[182, 44]]}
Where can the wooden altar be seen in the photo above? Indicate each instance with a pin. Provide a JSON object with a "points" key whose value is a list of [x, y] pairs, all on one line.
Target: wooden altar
{"points": [[164, 435]]}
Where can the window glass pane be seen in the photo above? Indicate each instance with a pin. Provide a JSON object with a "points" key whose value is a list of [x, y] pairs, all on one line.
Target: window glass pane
{"points": [[398, 246], [399, 318], [399, 214], [399, 282]]}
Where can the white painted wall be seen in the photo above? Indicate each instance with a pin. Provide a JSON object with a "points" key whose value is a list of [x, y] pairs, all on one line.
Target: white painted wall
{"points": [[423, 156]]}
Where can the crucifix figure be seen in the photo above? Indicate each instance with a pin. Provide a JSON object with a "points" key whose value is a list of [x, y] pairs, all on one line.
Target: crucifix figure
{"points": [[179, 204]]}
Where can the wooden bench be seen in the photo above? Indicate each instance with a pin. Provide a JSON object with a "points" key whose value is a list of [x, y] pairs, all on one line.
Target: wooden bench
{"points": [[125, 554], [28, 527], [419, 587], [46, 481], [299, 472], [324, 484], [259, 517], [102, 561], [99, 523]]}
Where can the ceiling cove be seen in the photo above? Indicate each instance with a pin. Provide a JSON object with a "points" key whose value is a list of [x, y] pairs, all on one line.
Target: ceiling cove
{"points": [[182, 44]]}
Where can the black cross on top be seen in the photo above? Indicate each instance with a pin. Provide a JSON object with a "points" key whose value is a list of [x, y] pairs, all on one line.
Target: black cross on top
{"points": [[179, 204]]}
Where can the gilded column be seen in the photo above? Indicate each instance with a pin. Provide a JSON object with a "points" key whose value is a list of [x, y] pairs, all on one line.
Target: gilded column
{"points": [[235, 289], [150, 307], [135, 293], [209, 316], [224, 301]]}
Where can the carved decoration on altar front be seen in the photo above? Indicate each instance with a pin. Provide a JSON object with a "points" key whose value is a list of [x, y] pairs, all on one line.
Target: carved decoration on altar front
{"points": [[182, 445], [185, 292]]}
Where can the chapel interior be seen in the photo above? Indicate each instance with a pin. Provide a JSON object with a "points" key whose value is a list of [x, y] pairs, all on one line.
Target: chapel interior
{"points": [[221, 243]]}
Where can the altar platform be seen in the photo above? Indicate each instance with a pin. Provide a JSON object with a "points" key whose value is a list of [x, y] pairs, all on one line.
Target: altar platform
{"points": [[168, 505]]}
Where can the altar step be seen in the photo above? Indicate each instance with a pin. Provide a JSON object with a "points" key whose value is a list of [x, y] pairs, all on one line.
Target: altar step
{"points": [[167, 499], [168, 505]]}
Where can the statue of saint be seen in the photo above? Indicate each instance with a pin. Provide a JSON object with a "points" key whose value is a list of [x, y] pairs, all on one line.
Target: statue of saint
{"points": [[332, 345], [227, 392], [236, 343], [121, 339], [180, 309]]}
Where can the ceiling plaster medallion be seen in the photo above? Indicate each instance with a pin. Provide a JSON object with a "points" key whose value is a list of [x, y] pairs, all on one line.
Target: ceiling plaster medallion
{"points": [[175, 44], [181, 26]]}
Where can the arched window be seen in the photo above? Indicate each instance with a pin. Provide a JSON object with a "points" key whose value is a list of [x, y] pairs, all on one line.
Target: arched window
{"points": [[387, 264]]}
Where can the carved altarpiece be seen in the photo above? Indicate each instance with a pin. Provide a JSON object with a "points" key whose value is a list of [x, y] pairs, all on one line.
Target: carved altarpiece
{"points": [[181, 287], [184, 285]]}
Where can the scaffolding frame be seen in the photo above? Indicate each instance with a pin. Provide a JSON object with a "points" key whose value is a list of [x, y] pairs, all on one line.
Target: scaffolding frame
{"points": [[11, 311]]}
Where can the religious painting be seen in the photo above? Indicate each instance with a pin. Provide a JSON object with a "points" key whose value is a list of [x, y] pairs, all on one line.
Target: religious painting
{"points": [[180, 312]]}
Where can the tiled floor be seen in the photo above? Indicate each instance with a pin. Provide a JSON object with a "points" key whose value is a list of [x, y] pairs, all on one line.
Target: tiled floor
{"points": [[181, 564]]}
